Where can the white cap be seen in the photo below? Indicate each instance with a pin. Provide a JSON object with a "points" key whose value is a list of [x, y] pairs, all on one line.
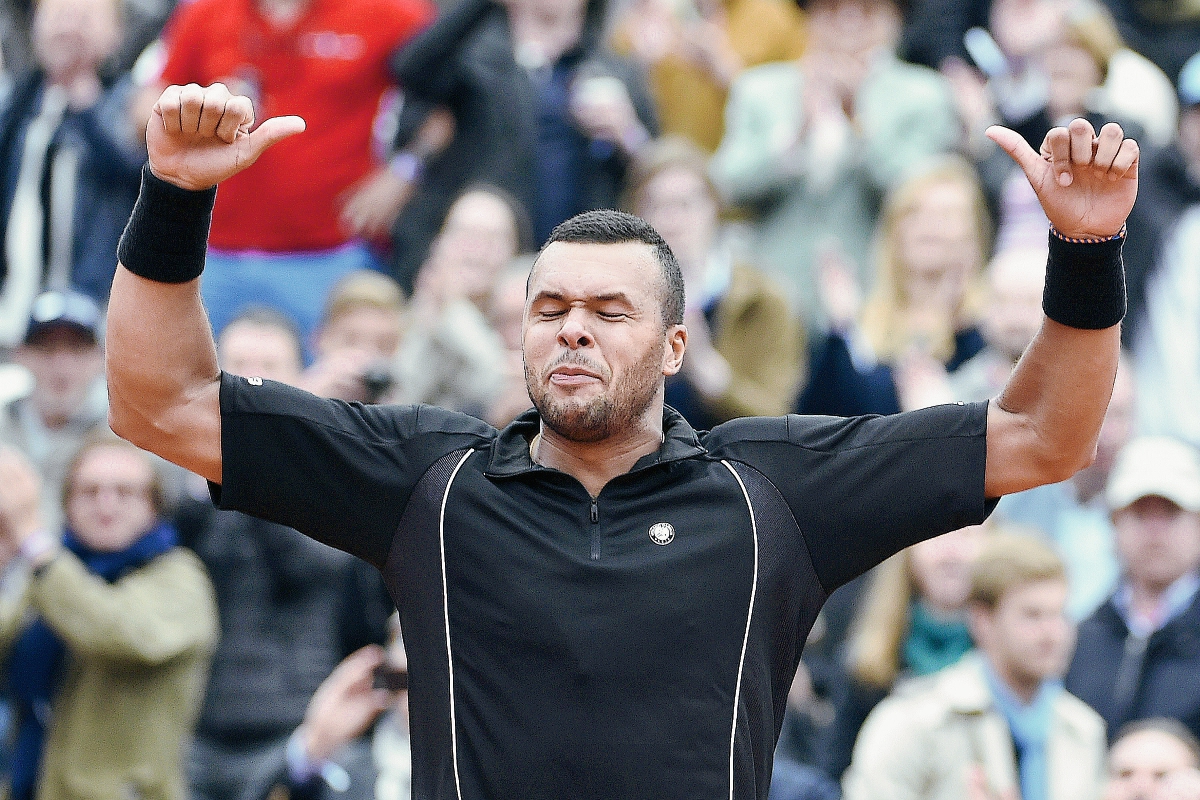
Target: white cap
{"points": [[1155, 466]]}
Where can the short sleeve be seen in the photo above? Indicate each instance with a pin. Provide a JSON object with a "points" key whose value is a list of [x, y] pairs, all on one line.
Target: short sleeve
{"points": [[339, 472], [864, 488]]}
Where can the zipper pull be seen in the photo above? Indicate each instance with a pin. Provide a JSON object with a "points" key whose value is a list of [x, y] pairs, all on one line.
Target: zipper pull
{"points": [[595, 511]]}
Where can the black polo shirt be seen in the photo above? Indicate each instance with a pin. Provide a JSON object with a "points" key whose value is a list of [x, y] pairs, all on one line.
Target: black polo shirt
{"points": [[636, 645]]}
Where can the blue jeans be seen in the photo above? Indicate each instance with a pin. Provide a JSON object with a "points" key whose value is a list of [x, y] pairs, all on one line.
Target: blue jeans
{"points": [[293, 283]]}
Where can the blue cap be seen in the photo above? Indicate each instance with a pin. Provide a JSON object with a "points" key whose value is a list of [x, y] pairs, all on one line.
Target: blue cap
{"points": [[72, 309], [1189, 82]]}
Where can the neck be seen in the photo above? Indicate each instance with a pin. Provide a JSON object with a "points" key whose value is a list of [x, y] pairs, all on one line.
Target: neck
{"points": [[1022, 684], [282, 13], [1145, 596], [594, 464]]}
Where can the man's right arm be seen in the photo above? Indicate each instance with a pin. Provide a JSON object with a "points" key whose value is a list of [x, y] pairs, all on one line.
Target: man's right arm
{"points": [[161, 361]]}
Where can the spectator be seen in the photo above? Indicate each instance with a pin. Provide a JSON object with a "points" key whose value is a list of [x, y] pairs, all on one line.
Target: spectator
{"points": [[284, 234], [1166, 33], [921, 318], [732, 306], [506, 315], [811, 146], [1012, 315], [1074, 514], [288, 613], [542, 110], [67, 402], [451, 357], [353, 742], [1150, 755], [109, 637], [912, 622], [1168, 185], [692, 51], [1002, 712], [1135, 658], [358, 337], [69, 162]]}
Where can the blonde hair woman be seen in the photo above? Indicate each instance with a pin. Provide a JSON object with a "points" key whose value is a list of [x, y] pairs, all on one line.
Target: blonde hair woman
{"points": [[920, 318], [912, 620]]}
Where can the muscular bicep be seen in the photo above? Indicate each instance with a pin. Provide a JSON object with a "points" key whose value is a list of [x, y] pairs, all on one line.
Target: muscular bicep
{"points": [[163, 378]]}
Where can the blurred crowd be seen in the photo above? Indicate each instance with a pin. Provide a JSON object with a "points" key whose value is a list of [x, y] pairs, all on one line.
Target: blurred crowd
{"points": [[851, 243]]}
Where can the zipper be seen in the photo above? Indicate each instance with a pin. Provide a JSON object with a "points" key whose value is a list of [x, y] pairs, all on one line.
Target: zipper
{"points": [[595, 516]]}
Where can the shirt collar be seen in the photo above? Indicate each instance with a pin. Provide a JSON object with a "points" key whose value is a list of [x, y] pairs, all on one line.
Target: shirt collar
{"points": [[1175, 600], [510, 450]]}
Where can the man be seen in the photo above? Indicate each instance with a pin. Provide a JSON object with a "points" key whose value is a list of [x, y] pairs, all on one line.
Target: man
{"points": [[63, 352], [69, 161], [329, 62], [597, 602], [108, 631], [1003, 711], [1154, 759], [542, 109], [1135, 657], [288, 612]]}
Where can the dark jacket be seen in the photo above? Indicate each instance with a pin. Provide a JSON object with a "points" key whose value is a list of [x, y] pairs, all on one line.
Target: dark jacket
{"points": [[464, 61], [290, 609], [1125, 678], [107, 181]]}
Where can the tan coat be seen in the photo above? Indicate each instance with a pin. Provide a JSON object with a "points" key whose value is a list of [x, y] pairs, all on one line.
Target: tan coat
{"points": [[139, 651], [922, 742]]}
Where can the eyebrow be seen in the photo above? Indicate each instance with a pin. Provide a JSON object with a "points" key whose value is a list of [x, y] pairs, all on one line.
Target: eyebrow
{"points": [[608, 297]]}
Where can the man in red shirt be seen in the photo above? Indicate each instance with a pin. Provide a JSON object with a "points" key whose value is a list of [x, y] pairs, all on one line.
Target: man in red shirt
{"points": [[285, 233]]}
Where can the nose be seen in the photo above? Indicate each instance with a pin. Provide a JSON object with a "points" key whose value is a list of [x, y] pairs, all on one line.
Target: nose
{"points": [[574, 332]]}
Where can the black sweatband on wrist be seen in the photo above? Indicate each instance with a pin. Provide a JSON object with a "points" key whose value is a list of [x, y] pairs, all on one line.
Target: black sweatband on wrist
{"points": [[167, 234], [1085, 283]]}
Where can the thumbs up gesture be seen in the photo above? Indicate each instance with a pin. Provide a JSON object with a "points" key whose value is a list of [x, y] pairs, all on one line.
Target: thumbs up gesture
{"points": [[199, 136], [1085, 182]]}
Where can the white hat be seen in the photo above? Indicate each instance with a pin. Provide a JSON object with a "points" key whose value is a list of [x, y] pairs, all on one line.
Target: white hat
{"points": [[1155, 465]]}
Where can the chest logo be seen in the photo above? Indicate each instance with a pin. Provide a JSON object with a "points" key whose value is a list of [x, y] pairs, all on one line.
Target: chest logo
{"points": [[255, 381], [662, 533]]}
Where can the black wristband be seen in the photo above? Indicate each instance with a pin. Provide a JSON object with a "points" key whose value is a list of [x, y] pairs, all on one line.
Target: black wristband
{"points": [[167, 234], [1085, 283]]}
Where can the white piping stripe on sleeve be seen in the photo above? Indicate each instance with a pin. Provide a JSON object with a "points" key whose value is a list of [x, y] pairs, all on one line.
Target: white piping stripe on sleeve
{"points": [[446, 611], [737, 692]]}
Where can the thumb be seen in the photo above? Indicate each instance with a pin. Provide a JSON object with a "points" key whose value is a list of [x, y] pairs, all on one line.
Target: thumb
{"points": [[1018, 149], [273, 131]]}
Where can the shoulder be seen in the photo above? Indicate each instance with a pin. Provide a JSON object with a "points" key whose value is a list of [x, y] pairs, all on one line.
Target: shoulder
{"points": [[1080, 718], [251, 398]]}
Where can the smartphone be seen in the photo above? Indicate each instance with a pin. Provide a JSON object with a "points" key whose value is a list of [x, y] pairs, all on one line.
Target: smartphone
{"points": [[393, 679], [984, 51]]}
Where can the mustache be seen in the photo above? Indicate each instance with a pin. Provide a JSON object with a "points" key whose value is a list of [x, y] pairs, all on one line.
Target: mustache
{"points": [[576, 360]]}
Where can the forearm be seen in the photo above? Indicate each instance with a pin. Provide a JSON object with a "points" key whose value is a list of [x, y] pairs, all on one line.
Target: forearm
{"points": [[162, 369], [1044, 425]]}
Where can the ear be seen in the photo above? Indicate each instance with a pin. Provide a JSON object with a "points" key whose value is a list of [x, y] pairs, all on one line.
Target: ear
{"points": [[673, 352]]}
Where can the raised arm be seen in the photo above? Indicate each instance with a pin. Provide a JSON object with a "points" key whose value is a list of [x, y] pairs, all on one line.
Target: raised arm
{"points": [[1044, 425], [161, 361]]}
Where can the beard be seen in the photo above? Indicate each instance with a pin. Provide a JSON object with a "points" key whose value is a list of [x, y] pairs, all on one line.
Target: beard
{"points": [[597, 418]]}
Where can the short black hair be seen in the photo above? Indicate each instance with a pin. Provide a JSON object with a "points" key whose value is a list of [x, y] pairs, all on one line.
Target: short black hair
{"points": [[607, 226]]}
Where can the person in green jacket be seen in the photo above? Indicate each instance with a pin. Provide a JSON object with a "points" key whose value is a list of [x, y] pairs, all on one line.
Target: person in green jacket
{"points": [[107, 629]]}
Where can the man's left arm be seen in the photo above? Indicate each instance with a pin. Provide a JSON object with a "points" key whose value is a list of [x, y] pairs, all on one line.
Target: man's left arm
{"points": [[1044, 425]]}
